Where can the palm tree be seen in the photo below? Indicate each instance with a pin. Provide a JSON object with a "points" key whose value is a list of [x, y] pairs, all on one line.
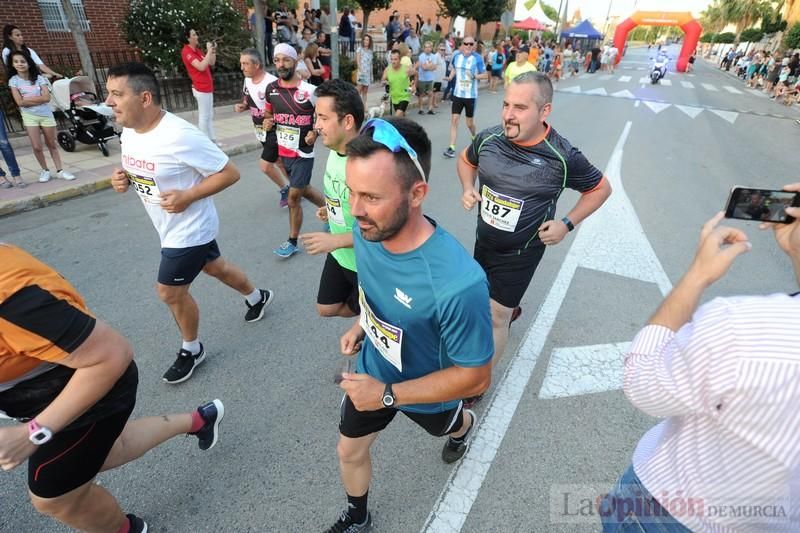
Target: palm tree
{"points": [[744, 13], [713, 18]]}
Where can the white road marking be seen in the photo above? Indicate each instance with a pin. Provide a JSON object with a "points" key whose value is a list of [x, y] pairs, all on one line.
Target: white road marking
{"points": [[687, 84], [636, 103], [709, 87], [732, 90], [606, 77], [599, 91], [666, 83], [730, 116], [656, 107], [624, 78], [464, 484], [575, 89], [584, 370], [758, 92], [625, 93], [692, 111], [644, 79]]}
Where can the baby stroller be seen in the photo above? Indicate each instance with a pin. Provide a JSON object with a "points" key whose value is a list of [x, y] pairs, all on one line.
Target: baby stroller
{"points": [[90, 119]]}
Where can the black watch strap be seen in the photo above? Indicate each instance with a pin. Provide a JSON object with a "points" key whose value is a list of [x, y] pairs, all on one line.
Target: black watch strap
{"points": [[568, 222], [388, 393]]}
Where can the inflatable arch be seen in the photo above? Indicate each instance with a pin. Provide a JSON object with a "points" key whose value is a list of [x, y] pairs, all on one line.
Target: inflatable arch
{"points": [[686, 21]]}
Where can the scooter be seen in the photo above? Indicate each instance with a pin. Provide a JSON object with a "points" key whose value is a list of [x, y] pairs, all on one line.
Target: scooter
{"points": [[659, 69]]}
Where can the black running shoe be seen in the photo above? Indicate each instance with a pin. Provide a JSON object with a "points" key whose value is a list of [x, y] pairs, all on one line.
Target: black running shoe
{"points": [[449, 152], [472, 401], [137, 524], [212, 413], [184, 365], [454, 450], [256, 312], [345, 524]]}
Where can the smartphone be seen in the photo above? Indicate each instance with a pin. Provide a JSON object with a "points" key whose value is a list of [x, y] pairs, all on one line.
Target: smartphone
{"points": [[762, 205]]}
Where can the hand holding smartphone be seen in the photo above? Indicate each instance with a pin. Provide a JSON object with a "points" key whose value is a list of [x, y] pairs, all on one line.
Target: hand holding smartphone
{"points": [[761, 205]]}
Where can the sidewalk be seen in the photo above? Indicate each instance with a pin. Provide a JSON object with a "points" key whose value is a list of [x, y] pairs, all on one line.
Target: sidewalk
{"points": [[93, 170]]}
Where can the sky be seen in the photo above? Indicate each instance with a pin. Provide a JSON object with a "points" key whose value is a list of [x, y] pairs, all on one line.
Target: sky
{"points": [[597, 9]]}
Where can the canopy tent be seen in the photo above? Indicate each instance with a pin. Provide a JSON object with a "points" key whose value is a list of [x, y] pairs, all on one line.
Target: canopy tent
{"points": [[584, 30], [524, 9], [529, 24]]}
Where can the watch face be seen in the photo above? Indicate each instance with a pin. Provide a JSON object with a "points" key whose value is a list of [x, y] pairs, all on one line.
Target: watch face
{"points": [[388, 400]]}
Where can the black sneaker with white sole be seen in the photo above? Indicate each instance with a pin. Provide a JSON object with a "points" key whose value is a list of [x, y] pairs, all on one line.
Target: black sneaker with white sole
{"points": [[137, 524], [454, 450], [345, 524], [256, 312], [212, 412], [184, 365]]}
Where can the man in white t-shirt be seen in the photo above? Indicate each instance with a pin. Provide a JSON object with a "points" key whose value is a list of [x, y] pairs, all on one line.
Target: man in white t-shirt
{"points": [[175, 169]]}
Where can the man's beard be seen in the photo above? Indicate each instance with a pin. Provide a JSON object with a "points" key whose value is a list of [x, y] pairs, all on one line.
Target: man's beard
{"points": [[286, 74], [377, 234], [511, 128]]}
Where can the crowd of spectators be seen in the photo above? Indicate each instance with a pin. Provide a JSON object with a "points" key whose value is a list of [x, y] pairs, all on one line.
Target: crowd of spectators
{"points": [[775, 73]]}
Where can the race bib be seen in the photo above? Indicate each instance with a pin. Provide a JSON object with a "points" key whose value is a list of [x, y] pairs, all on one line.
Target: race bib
{"points": [[335, 214], [261, 133], [386, 338], [146, 188], [466, 85], [500, 211], [288, 136]]}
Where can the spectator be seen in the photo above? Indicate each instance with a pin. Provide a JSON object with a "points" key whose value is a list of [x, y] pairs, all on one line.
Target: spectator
{"points": [[313, 64], [12, 41], [307, 38], [324, 54], [345, 29], [412, 41], [10, 158], [364, 64], [284, 30], [198, 67], [725, 376], [426, 74], [418, 24], [440, 76], [353, 30], [496, 61], [269, 21], [426, 29]]}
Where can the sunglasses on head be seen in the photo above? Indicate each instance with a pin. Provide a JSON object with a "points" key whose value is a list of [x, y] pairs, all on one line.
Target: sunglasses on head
{"points": [[387, 135]]}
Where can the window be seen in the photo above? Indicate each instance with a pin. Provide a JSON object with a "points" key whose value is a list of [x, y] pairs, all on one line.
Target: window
{"points": [[56, 20]]}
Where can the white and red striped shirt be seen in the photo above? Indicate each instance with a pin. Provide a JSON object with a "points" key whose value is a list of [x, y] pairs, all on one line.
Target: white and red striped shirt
{"points": [[727, 456]]}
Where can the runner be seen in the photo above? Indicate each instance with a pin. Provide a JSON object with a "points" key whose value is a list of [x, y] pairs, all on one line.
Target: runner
{"points": [[398, 80], [254, 93], [424, 311], [71, 381], [175, 170], [522, 167], [340, 112], [518, 66], [290, 107], [467, 69], [426, 67]]}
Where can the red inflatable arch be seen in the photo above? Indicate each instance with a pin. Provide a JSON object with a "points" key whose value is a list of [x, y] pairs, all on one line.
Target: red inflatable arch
{"points": [[686, 21]]}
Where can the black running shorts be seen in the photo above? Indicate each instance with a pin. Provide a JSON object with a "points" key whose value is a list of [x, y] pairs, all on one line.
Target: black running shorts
{"points": [[269, 150], [179, 266], [299, 170], [402, 105], [355, 424], [509, 273], [338, 285], [463, 104]]}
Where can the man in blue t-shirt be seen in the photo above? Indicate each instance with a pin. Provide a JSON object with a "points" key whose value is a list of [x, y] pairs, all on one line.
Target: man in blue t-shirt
{"points": [[424, 337], [467, 69]]}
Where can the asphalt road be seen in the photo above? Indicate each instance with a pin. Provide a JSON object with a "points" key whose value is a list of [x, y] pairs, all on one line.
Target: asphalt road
{"points": [[275, 467]]}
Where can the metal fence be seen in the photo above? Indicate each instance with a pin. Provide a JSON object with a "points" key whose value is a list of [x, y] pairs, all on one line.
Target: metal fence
{"points": [[176, 89]]}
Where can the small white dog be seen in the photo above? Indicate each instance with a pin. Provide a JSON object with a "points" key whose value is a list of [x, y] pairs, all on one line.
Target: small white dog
{"points": [[379, 110]]}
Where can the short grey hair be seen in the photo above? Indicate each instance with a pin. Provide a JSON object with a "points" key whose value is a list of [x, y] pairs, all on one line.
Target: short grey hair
{"points": [[543, 84], [254, 56]]}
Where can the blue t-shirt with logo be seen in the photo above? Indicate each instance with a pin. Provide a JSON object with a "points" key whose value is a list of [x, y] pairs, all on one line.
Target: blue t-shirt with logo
{"points": [[422, 311], [467, 67]]}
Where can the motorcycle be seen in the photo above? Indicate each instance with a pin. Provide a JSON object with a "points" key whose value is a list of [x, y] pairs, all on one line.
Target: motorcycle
{"points": [[659, 69]]}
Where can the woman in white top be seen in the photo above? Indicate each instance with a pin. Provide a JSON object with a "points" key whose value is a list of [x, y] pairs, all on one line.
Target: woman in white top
{"points": [[364, 64], [12, 41]]}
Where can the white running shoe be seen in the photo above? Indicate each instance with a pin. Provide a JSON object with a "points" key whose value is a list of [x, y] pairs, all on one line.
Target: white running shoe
{"points": [[64, 175], [44, 176]]}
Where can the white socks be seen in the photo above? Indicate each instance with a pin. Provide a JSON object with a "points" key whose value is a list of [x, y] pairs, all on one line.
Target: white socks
{"points": [[254, 297]]}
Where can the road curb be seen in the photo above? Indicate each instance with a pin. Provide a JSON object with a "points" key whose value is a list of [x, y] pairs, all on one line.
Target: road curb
{"points": [[12, 207]]}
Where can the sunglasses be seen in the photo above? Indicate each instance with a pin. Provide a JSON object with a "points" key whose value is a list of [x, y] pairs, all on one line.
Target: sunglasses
{"points": [[387, 135], [469, 44]]}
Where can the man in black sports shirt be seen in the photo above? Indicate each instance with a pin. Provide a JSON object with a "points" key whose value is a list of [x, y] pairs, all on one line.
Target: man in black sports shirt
{"points": [[522, 167]]}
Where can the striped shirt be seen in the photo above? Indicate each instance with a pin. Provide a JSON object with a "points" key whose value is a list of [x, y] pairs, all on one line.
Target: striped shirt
{"points": [[728, 383], [467, 67]]}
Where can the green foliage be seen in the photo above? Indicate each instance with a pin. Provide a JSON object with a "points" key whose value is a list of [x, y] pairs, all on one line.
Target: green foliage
{"points": [[751, 35], [368, 6], [708, 37], [773, 22], [452, 8], [157, 29], [792, 38], [551, 12], [725, 38], [346, 68], [485, 11], [548, 36]]}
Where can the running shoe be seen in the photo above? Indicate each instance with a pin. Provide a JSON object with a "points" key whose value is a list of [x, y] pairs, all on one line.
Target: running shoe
{"points": [[345, 524], [137, 524], [6, 184], [64, 175], [256, 312], [421, 112], [286, 250], [284, 201], [472, 401], [212, 413], [454, 450], [184, 365], [449, 152], [44, 176], [431, 112]]}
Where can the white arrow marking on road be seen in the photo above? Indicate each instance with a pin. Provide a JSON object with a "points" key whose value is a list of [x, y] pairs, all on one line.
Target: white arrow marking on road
{"points": [[584, 370], [618, 254], [599, 91], [732, 90], [692, 111], [625, 93], [730, 116], [709, 87], [666, 83], [656, 107], [624, 78], [687, 84], [576, 89]]}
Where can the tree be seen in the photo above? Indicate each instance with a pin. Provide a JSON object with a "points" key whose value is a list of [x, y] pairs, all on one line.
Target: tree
{"points": [[368, 6], [708, 37], [751, 35], [452, 9], [773, 22], [713, 18], [80, 41], [484, 11], [744, 13], [792, 37], [551, 12], [725, 38]]}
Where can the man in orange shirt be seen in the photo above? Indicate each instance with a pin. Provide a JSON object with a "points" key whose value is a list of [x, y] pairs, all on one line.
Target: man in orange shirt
{"points": [[70, 380]]}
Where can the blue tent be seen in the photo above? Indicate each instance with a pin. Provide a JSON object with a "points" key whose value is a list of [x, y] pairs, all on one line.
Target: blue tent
{"points": [[584, 30]]}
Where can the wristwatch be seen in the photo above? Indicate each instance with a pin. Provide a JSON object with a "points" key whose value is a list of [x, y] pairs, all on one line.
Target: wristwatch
{"points": [[569, 224], [38, 434], [388, 396]]}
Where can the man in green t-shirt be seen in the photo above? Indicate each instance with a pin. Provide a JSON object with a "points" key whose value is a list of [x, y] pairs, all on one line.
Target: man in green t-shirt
{"points": [[515, 68], [398, 78], [340, 112]]}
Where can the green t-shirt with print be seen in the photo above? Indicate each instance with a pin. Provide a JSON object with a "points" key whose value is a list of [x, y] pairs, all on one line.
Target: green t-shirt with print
{"points": [[337, 203]]}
